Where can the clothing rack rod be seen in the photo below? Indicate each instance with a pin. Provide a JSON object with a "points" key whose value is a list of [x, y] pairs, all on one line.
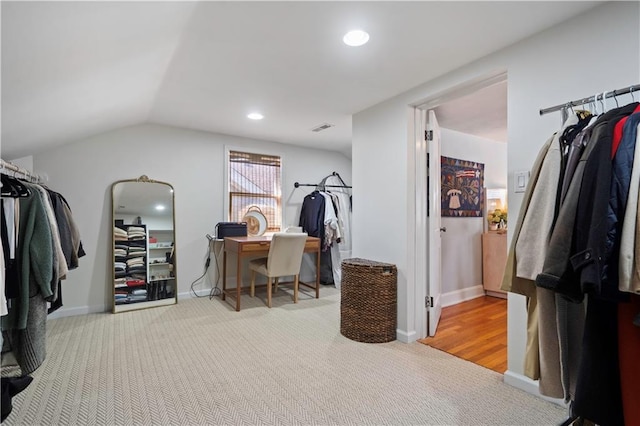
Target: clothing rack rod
{"points": [[322, 184], [599, 96], [6, 165], [297, 185]]}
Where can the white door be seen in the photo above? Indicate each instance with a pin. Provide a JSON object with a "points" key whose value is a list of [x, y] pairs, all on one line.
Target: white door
{"points": [[434, 246]]}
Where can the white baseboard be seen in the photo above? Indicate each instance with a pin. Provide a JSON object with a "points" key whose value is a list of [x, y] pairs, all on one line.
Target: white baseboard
{"points": [[308, 278], [261, 279], [530, 386], [498, 294], [81, 310], [455, 297], [189, 294], [84, 310], [404, 337]]}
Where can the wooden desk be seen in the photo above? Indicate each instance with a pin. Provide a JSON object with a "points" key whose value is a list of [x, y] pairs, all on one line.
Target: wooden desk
{"points": [[245, 247]]}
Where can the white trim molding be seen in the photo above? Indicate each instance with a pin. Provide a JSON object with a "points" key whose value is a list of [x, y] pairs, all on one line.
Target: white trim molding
{"points": [[80, 310], [458, 296], [530, 386], [406, 337]]}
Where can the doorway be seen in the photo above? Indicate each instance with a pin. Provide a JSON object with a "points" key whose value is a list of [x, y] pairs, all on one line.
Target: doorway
{"points": [[474, 330], [473, 325]]}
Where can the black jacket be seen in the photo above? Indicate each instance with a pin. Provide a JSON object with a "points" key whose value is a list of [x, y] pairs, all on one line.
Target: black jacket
{"points": [[590, 250]]}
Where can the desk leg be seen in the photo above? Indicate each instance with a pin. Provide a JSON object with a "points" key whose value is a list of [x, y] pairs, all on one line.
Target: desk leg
{"points": [[318, 274], [239, 281], [224, 274]]}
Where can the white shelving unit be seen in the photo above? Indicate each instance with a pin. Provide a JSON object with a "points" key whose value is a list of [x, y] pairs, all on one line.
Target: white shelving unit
{"points": [[126, 289], [158, 267]]}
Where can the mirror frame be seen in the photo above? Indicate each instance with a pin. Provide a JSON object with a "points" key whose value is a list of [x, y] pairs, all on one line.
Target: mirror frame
{"points": [[150, 303]]}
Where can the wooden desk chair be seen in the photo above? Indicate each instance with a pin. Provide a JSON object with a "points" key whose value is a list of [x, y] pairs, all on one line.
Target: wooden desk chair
{"points": [[284, 259]]}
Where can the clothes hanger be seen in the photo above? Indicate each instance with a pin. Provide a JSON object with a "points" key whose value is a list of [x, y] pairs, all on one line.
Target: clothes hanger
{"points": [[604, 100], [597, 104], [12, 187], [7, 189]]}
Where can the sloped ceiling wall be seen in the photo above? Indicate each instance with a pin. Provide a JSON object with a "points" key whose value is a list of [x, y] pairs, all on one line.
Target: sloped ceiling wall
{"points": [[74, 69]]}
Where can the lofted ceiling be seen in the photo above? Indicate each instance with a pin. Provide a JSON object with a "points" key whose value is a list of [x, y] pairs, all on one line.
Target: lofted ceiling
{"points": [[71, 70]]}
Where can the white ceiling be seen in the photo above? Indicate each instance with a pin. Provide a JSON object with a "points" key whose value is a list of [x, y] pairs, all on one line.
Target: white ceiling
{"points": [[74, 69], [482, 113]]}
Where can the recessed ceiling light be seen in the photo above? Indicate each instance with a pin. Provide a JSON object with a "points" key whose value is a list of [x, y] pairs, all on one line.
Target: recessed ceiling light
{"points": [[355, 38], [255, 116], [159, 207]]}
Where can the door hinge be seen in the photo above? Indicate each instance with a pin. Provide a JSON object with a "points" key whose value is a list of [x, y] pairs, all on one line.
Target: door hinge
{"points": [[428, 135], [428, 302]]}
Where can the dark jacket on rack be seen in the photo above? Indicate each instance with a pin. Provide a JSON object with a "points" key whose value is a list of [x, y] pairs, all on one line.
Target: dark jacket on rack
{"points": [[312, 215], [591, 240], [598, 391], [560, 272]]}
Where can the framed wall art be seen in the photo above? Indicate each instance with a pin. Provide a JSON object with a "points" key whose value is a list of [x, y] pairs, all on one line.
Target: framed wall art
{"points": [[462, 184]]}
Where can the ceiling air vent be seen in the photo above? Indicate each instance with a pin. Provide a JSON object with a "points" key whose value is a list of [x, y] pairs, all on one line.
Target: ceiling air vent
{"points": [[323, 126]]}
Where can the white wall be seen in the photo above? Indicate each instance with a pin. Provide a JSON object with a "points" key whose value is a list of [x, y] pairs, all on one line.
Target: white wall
{"points": [[193, 162], [462, 243], [563, 63]]}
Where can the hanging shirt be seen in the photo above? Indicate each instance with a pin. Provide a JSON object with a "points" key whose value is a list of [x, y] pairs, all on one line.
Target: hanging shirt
{"points": [[331, 232], [3, 300], [628, 234], [312, 215], [9, 241], [344, 215]]}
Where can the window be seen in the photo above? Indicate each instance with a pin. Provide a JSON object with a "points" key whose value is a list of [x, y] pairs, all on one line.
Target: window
{"points": [[255, 182]]}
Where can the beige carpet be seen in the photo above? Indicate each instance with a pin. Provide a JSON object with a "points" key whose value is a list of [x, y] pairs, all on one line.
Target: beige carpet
{"points": [[200, 362]]}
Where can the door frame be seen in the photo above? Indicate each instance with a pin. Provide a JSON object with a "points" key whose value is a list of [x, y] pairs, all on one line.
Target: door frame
{"points": [[417, 237]]}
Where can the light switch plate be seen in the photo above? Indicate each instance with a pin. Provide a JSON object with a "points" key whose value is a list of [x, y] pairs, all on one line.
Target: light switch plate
{"points": [[521, 180]]}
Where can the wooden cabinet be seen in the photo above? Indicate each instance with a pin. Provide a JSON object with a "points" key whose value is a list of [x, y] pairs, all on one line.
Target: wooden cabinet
{"points": [[494, 260]]}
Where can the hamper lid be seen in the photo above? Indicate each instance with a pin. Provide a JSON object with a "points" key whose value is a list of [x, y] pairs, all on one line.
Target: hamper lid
{"points": [[356, 261]]}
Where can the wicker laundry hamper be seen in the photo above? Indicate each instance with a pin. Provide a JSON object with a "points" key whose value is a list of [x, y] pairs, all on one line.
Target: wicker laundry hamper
{"points": [[368, 296]]}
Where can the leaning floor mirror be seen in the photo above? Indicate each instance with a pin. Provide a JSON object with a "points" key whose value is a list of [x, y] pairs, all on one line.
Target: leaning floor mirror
{"points": [[143, 244]]}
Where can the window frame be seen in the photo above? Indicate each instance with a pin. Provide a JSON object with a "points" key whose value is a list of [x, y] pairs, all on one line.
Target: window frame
{"points": [[227, 192]]}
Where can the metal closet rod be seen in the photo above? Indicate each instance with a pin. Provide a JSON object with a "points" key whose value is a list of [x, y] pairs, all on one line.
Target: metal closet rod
{"points": [[599, 96], [26, 173], [297, 185]]}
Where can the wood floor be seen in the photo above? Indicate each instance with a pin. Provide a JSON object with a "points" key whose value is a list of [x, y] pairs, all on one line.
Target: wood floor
{"points": [[475, 330]]}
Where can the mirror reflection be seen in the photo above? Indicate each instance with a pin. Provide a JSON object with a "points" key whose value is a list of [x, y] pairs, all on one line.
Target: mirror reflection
{"points": [[144, 255]]}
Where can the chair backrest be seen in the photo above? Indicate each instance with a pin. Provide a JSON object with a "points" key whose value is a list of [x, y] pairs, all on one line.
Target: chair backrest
{"points": [[293, 229], [285, 253]]}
